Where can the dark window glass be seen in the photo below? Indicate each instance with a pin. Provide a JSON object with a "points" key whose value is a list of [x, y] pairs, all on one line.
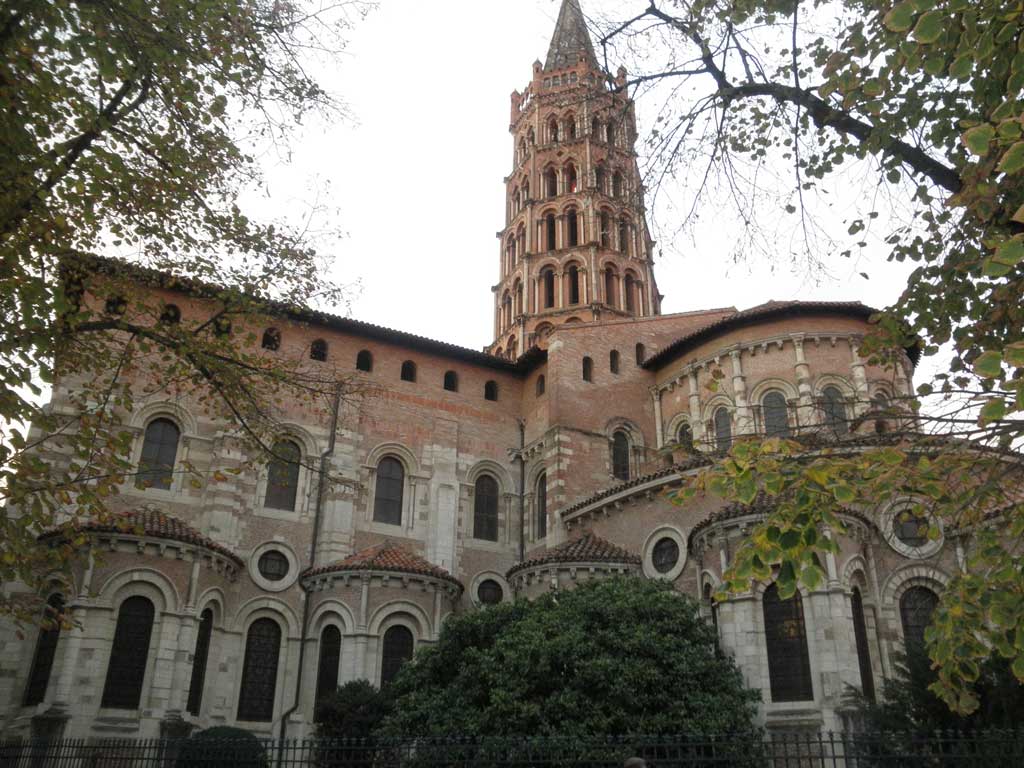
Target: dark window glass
{"points": [[641, 354], [685, 436], [549, 227], [550, 183], [199, 659], [540, 385], [834, 410], [489, 592], [273, 565], [318, 350], [789, 666], [259, 671], [910, 528], [485, 509], [542, 505], [491, 390], [616, 184], [271, 339], [330, 659], [613, 361], [128, 654], [709, 603], [776, 415], [609, 287], [408, 371], [630, 290], [723, 429], [860, 635], [171, 315], [916, 607], [283, 476], [46, 649], [364, 361], [159, 449], [572, 222], [548, 277], [620, 456], [574, 284], [665, 555], [387, 501], [398, 647], [606, 231], [451, 381], [588, 369], [624, 236]]}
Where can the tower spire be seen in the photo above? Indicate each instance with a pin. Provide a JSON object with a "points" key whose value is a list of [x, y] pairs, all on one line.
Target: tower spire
{"points": [[571, 40]]}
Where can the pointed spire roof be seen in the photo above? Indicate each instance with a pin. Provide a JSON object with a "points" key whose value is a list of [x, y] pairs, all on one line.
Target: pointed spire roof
{"points": [[570, 40]]}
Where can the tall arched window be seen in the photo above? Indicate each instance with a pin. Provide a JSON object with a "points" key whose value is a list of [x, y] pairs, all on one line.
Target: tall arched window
{"points": [[860, 636], [623, 236], [549, 232], [548, 281], [570, 126], [390, 485], [776, 414], [613, 361], [574, 284], [723, 429], [685, 436], [396, 649], [491, 390], [610, 279], [709, 603], [595, 130], [553, 130], [540, 385], [917, 605], [129, 652], [408, 371], [199, 659], [606, 230], [364, 361], [485, 509], [620, 455], [834, 410], [550, 183], [259, 671], [46, 650], [641, 354], [629, 290], [610, 130], [571, 183], [572, 222], [159, 449], [318, 351], [542, 506], [271, 339], [600, 179], [588, 369], [283, 476], [330, 659], [451, 378], [616, 184], [789, 666]]}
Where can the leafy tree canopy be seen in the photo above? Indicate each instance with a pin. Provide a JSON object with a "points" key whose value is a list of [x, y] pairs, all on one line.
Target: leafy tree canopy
{"points": [[354, 711], [622, 656]]}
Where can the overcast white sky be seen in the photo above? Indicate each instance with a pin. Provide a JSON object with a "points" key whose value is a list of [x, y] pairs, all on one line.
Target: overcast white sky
{"points": [[415, 179]]}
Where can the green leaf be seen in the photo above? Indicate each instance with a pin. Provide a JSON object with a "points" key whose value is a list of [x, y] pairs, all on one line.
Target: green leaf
{"points": [[989, 364], [993, 410], [929, 27], [1013, 159], [1010, 252], [900, 17], [977, 138], [1014, 354]]}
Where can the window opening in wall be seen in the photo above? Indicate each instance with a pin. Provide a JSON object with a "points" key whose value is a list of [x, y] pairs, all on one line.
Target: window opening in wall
{"points": [[620, 455], [489, 592], [917, 605], [611, 131], [574, 284], [572, 222], [318, 351], [397, 649], [570, 179], [549, 231], [665, 554], [199, 661], [548, 276], [595, 129], [911, 527], [610, 279], [789, 666], [327, 666], [222, 326], [776, 415], [390, 485], [542, 506], [570, 121], [624, 236], [485, 509], [630, 289], [723, 429], [550, 183], [600, 179], [860, 634], [46, 650], [273, 565], [283, 476], [491, 390], [641, 354], [553, 131], [588, 369], [709, 603], [616, 185], [129, 652], [451, 378], [408, 371], [685, 436], [271, 339], [540, 385], [259, 671], [834, 410], [170, 315], [613, 361], [159, 451], [364, 361]]}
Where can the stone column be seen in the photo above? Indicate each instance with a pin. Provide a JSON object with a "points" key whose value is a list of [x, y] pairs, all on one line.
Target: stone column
{"points": [[659, 428], [744, 422], [696, 423], [805, 395], [860, 380]]}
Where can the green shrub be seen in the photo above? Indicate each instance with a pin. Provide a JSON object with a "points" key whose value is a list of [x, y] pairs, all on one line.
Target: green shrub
{"points": [[222, 746]]}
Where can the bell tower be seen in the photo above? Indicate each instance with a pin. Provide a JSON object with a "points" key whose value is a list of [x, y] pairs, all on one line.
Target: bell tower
{"points": [[575, 246]]}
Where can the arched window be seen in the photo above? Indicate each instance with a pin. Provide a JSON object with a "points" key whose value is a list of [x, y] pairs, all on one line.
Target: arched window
{"points": [[549, 232], [610, 279], [776, 414], [624, 236], [613, 361], [548, 279], [46, 650], [600, 179], [553, 130], [451, 378], [595, 129], [685, 436], [917, 605], [126, 671], [491, 390], [408, 371], [259, 671], [550, 183], [574, 284], [610, 131], [629, 290], [485, 509], [387, 498], [789, 666], [540, 385], [723, 429], [834, 410], [542, 506], [616, 184], [364, 361], [199, 659], [620, 455], [571, 181], [572, 222], [588, 369], [570, 126], [283, 476], [606, 230], [330, 659], [397, 649], [641, 354], [271, 339], [318, 350], [860, 636], [159, 449], [709, 603]]}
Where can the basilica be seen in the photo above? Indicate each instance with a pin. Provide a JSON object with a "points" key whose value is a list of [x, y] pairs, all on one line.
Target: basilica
{"points": [[475, 477]]}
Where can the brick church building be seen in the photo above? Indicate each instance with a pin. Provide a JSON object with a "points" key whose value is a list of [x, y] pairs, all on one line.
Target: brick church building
{"points": [[478, 477]]}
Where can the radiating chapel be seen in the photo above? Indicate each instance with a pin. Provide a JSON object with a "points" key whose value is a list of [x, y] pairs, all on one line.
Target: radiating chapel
{"points": [[475, 477]]}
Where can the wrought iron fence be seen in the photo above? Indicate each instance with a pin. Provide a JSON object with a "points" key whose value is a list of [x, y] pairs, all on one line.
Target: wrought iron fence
{"points": [[794, 750]]}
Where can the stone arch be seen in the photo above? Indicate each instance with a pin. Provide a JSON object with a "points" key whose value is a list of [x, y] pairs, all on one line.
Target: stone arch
{"points": [[856, 564], [213, 598], [672, 428], [493, 468], [831, 379], [301, 435], [399, 451], [912, 575], [147, 582], [394, 611], [332, 611], [719, 400], [765, 386], [548, 263], [265, 606], [616, 423], [167, 409]]}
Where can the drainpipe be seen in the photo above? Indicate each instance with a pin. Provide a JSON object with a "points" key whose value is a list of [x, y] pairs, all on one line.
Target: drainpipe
{"points": [[317, 511], [522, 491]]}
